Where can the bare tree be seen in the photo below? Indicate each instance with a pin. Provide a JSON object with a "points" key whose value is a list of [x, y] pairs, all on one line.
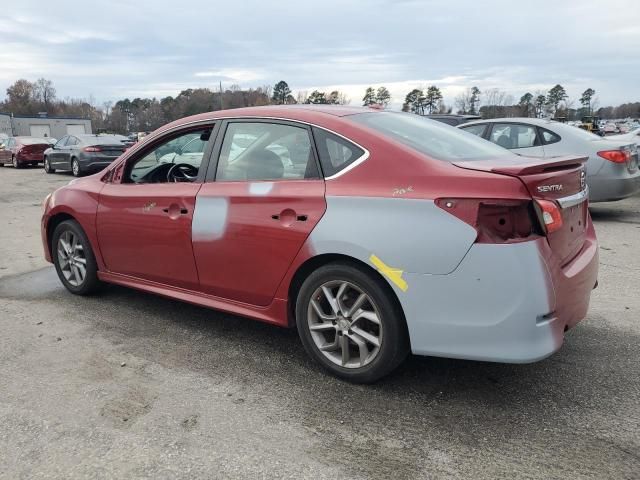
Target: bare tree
{"points": [[44, 92]]}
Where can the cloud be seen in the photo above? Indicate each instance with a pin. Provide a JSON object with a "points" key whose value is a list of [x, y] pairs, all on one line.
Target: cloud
{"points": [[113, 49]]}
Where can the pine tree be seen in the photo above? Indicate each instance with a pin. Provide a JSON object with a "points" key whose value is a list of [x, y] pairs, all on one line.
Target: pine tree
{"points": [[369, 97], [432, 99], [281, 91], [586, 98], [525, 103], [556, 95], [383, 97]]}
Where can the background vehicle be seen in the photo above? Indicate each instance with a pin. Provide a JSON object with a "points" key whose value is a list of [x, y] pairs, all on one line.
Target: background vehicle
{"points": [[632, 136], [304, 215], [21, 151], [591, 124], [612, 166], [84, 153], [452, 119]]}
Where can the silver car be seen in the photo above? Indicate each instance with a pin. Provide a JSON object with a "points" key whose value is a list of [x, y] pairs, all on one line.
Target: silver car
{"points": [[613, 172]]}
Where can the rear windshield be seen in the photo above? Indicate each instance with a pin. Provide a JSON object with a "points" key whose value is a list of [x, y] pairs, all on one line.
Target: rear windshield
{"points": [[31, 140], [435, 139], [102, 139]]}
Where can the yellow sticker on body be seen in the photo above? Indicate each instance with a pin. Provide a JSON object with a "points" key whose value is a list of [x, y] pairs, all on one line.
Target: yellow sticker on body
{"points": [[393, 274]]}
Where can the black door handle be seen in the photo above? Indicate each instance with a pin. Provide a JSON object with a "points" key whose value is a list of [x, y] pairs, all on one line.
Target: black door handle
{"points": [[183, 211], [299, 218]]}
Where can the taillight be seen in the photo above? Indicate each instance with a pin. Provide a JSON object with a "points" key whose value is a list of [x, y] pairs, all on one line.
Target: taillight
{"points": [[496, 221], [91, 149], [615, 156], [551, 215]]}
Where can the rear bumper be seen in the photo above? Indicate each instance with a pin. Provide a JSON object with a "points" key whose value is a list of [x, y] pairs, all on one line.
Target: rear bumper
{"points": [[30, 157], [504, 303], [607, 189]]}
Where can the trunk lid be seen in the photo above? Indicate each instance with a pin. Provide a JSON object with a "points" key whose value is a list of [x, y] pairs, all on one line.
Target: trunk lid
{"points": [[561, 180]]}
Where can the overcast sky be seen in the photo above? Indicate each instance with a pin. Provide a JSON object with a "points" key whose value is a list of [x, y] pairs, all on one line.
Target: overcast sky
{"points": [[116, 49]]}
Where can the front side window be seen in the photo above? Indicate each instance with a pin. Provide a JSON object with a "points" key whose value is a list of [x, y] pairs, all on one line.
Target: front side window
{"points": [[256, 151], [475, 129], [177, 159], [72, 141], [511, 135], [62, 142], [437, 140]]}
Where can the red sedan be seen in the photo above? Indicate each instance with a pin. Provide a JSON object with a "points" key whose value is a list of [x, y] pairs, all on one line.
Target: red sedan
{"points": [[376, 233], [21, 151]]}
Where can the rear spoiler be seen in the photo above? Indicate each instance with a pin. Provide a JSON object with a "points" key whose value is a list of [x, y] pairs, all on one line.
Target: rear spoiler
{"points": [[523, 165]]}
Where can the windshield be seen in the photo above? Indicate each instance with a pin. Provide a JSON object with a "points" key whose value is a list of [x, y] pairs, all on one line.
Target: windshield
{"points": [[435, 139]]}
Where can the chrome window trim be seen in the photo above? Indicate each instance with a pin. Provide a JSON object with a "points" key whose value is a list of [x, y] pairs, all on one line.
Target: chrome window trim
{"points": [[575, 199], [349, 167]]}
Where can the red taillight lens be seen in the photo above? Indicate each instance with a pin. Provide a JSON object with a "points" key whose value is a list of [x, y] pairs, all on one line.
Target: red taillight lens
{"points": [[615, 156], [550, 214], [91, 149], [496, 221]]}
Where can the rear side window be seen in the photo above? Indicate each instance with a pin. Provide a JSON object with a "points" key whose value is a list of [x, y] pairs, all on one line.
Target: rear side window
{"points": [[549, 137], [336, 153]]}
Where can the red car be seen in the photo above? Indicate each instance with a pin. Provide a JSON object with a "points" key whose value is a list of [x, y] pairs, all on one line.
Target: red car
{"points": [[21, 151], [376, 233]]}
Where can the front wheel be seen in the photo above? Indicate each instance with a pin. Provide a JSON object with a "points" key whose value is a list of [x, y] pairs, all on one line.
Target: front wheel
{"points": [[15, 162], [75, 168], [73, 258], [47, 166], [350, 323]]}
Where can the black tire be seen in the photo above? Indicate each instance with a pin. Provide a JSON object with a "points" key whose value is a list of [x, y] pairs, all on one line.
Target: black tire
{"points": [[16, 163], [394, 346], [47, 166], [75, 168], [90, 282]]}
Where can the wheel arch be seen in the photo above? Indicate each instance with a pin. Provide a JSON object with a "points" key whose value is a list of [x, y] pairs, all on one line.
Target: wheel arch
{"points": [[317, 261], [53, 222]]}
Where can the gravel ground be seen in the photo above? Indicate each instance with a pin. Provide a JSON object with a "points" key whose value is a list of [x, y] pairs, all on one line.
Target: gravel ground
{"points": [[130, 385]]}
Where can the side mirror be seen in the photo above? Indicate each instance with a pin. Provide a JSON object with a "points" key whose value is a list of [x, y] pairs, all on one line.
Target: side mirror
{"points": [[1, 146]]}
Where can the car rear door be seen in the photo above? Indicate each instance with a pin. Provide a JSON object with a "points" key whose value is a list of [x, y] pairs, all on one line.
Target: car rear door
{"points": [[263, 197], [144, 219], [56, 155]]}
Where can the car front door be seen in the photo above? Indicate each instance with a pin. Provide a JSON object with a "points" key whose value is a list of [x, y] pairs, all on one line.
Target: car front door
{"points": [[521, 138], [70, 151], [145, 212], [255, 212]]}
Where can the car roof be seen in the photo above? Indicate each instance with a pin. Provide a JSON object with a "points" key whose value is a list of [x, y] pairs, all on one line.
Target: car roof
{"points": [[531, 120], [452, 115]]}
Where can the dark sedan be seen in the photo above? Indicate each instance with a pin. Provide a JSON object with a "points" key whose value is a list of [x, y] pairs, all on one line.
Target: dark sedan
{"points": [[84, 154]]}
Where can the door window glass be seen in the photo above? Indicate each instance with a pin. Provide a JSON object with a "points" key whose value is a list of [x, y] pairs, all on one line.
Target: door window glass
{"points": [[177, 159], [71, 141], [335, 152], [510, 135], [549, 137], [475, 129], [265, 151]]}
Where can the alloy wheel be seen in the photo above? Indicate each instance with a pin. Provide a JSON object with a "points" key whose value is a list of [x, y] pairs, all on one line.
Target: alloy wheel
{"points": [[47, 165], [345, 324], [14, 161], [75, 167], [72, 259]]}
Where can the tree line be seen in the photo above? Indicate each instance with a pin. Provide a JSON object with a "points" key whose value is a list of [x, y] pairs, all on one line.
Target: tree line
{"points": [[145, 114]]}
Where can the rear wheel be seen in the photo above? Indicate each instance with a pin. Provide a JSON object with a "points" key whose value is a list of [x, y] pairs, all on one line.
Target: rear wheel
{"points": [[75, 167], [47, 166], [73, 258], [349, 322]]}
